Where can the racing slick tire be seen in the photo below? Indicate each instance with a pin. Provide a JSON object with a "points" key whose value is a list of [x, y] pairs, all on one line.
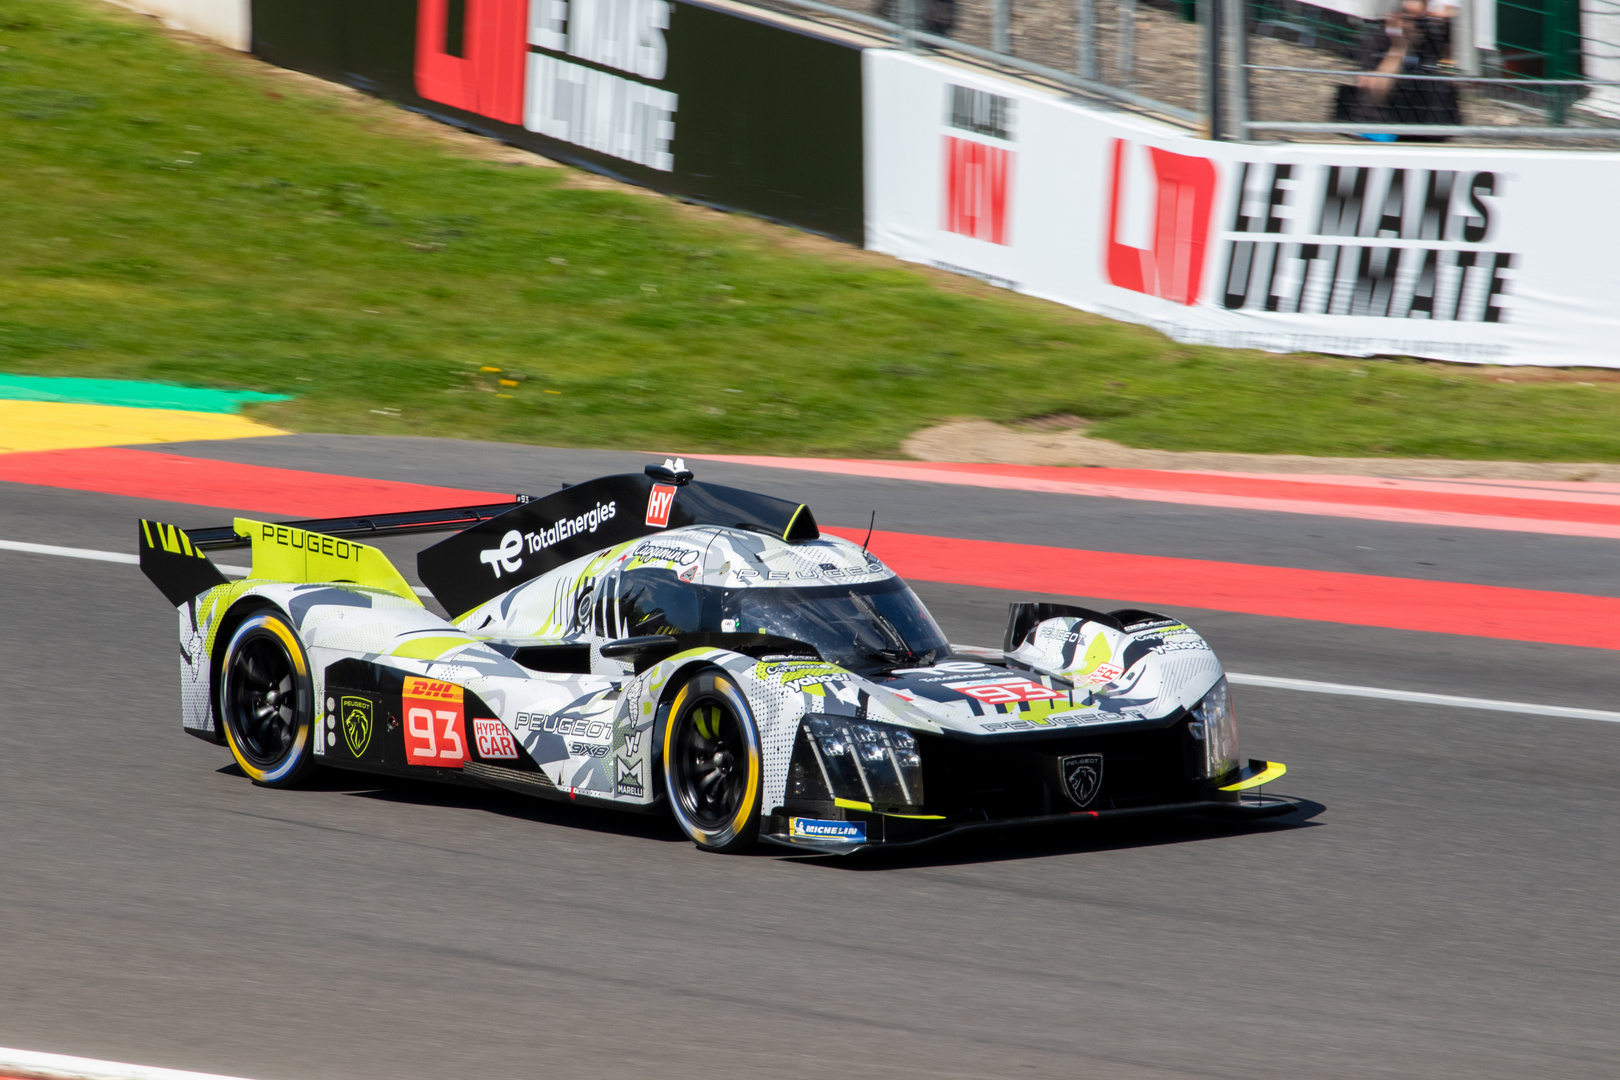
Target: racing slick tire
{"points": [[713, 765], [266, 700]]}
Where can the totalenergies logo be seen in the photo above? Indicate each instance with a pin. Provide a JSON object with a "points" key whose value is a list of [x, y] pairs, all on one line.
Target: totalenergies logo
{"points": [[1172, 266]]}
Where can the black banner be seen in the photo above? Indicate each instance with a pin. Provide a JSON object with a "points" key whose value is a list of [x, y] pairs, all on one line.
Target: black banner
{"points": [[734, 110]]}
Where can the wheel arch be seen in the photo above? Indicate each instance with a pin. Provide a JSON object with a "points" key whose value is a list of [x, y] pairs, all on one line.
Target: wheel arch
{"points": [[235, 615], [689, 669]]}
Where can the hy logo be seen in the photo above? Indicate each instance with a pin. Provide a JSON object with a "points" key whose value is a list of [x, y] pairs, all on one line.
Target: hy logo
{"points": [[357, 724], [507, 555], [660, 501]]}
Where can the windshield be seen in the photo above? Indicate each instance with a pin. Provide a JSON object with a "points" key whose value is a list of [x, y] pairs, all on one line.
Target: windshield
{"points": [[863, 627]]}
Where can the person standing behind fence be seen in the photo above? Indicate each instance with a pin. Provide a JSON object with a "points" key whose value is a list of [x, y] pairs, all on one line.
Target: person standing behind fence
{"points": [[1412, 41]]}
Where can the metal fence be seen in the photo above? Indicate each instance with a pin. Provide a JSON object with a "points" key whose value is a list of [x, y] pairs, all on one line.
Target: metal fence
{"points": [[1520, 72]]}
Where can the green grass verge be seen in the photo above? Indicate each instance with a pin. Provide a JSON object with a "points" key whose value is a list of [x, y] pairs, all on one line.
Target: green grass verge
{"points": [[173, 212]]}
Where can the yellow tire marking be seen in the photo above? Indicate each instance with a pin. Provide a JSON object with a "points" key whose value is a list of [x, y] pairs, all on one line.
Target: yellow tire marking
{"points": [[242, 761], [281, 631], [752, 790], [279, 628]]}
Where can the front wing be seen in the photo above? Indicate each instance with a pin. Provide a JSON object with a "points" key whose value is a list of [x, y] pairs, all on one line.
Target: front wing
{"points": [[856, 830]]}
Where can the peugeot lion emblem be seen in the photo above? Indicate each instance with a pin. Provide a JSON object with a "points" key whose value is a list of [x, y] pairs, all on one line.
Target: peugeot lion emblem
{"points": [[1082, 776]]}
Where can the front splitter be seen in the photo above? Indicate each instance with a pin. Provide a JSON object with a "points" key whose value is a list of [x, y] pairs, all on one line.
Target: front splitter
{"points": [[1247, 806]]}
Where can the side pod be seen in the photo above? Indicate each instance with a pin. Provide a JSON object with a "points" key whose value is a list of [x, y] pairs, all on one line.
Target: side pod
{"points": [[176, 566]]}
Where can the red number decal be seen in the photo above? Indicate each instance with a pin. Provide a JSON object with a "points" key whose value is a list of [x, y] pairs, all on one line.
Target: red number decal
{"points": [[434, 729]]}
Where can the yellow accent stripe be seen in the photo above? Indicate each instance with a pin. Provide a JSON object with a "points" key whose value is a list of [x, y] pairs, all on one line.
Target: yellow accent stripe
{"points": [[57, 425], [430, 648], [919, 817], [851, 804], [1272, 770]]}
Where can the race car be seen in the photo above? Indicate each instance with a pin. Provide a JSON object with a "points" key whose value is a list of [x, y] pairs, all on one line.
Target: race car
{"points": [[655, 643]]}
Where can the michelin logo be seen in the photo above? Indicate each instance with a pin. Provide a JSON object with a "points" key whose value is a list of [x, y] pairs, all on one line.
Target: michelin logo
{"points": [[813, 829]]}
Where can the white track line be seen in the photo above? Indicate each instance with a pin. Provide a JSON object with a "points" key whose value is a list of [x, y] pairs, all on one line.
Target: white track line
{"points": [[30, 1065], [1416, 698], [120, 557], [67, 552], [1270, 681]]}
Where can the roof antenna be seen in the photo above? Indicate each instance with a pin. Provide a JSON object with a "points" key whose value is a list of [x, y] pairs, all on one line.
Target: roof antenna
{"points": [[868, 539]]}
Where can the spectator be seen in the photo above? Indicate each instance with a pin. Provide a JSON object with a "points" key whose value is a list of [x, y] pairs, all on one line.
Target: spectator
{"points": [[937, 16], [1413, 41]]}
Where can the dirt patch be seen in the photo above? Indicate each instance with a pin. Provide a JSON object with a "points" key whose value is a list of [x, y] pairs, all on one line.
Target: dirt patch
{"points": [[1063, 441]]}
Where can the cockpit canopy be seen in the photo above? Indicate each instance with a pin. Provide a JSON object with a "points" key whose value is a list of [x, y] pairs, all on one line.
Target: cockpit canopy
{"points": [[863, 626]]}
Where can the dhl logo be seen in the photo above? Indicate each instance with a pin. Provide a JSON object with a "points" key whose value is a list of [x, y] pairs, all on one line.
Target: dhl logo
{"points": [[431, 689], [168, 538]]}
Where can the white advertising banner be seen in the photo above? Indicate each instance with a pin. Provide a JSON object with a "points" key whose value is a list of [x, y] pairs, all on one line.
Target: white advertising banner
{"points": [[1498, 256]]}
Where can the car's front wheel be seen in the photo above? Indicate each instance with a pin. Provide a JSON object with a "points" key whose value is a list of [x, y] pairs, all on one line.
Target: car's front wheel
{"points": [[712, 764], [266, 702]]}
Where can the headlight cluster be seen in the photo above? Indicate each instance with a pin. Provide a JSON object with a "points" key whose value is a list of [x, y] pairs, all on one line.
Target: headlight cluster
{"points": [[1215, 725], [867, 762]]}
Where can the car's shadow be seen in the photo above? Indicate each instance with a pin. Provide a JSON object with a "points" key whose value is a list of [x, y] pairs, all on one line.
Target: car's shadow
{"points": [[1028, 842], [396, 789]]}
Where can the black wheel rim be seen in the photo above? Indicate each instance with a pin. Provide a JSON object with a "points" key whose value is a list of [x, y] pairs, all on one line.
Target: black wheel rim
{"points": [[711, 763], [262, 700]]}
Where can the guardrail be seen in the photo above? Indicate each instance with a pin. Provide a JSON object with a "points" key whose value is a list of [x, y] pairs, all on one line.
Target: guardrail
{"points": [[1188, 62], [914, 37]]}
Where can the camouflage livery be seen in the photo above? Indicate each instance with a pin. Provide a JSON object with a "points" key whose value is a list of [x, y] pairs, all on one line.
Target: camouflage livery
{"points": [[885, 745]]}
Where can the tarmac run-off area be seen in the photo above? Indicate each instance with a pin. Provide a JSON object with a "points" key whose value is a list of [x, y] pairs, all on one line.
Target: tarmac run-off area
{"points": [[1441, 908]]}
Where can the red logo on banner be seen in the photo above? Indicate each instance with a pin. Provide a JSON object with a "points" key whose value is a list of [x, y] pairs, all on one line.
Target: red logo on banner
{"points": [[1174, 266], [976, 177], [435, 733], [660, 502], [486, 76]]}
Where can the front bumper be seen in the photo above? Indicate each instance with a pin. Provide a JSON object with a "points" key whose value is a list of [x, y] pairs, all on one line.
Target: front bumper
{"points": [[856, 830]]}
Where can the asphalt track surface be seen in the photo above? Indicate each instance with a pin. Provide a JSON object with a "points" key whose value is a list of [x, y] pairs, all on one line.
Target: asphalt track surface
{"points": [[1445, 905]]}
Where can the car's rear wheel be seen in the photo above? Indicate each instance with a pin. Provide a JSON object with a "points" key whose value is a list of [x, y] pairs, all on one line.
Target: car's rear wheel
{"points": [[712, 764], [266, 702]]}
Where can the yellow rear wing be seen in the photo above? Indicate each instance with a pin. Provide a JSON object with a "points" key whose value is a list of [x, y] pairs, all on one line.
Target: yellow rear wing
{"points": [[285, 553]]}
